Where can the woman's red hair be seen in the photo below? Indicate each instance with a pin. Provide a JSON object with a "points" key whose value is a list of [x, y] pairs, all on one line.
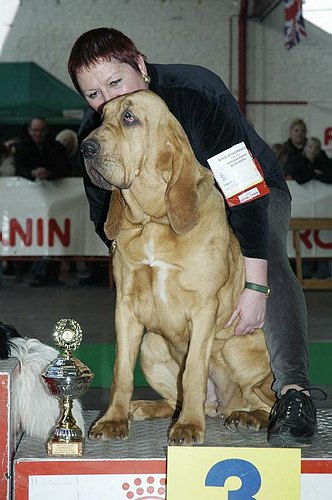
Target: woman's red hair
{"points": [[101, 44]]}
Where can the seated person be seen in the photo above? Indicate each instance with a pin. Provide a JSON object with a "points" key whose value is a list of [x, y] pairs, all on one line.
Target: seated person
{"points": [[39, 157], [312, 164]]}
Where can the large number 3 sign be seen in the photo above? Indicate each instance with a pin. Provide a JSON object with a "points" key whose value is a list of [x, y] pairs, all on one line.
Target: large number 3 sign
{"points": [[233, 467]]}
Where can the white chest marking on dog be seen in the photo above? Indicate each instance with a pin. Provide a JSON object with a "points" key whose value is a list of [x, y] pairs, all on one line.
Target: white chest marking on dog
{"points": [[163, 269]]}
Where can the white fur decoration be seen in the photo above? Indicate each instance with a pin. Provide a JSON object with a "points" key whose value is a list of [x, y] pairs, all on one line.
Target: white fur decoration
{"points": [[33, 406]]}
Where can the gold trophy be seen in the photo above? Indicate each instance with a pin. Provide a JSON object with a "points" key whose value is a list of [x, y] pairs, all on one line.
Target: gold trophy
{"points": [[67, 378]]}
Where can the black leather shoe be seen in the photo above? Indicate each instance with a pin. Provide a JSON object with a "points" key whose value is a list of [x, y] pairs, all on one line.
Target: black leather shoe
{"points": [[293, 420]]}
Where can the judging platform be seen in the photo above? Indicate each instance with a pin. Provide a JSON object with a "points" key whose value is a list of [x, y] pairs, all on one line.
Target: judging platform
{"points": [[9, 434], [136, 468]]}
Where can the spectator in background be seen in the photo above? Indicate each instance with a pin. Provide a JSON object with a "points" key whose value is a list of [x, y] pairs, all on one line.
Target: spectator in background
{"points": [[37, 158], [313, 164], [282, 153], [68, 138], [7, 163], [7, 168], [98, 271], [12, 143], [295, 145], [297, 135]]}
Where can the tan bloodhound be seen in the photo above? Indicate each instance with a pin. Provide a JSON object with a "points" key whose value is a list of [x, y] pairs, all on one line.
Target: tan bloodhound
{"points": [[178, 271]]}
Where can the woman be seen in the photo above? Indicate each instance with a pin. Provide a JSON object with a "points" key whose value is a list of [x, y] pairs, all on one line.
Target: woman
{"points": [[297, 135], [103, 64], [295, 145]]}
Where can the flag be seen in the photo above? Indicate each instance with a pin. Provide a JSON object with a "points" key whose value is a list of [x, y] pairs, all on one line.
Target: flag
{"points": [[294, 23]]}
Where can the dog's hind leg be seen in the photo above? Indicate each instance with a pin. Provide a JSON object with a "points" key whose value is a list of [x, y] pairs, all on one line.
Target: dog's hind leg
{"points": [[228, 392], [245, 361], [260, 399], [162, 373]]}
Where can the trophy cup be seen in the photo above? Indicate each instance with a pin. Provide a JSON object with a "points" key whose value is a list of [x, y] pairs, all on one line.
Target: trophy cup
{"points": [[67, 378]]}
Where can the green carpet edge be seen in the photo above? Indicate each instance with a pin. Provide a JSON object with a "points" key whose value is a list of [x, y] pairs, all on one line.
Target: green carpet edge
{"points": [[100, 359]]}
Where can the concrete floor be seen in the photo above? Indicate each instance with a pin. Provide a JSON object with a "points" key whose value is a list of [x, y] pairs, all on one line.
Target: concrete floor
{"points": [[34, 312]]}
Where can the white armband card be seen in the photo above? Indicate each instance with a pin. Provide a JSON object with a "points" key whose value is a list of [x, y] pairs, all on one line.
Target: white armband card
{"points": [[238, 174]]}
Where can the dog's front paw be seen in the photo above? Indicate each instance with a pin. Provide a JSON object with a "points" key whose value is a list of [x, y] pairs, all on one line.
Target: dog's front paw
{"points": [[107, 429], [186, 435]]}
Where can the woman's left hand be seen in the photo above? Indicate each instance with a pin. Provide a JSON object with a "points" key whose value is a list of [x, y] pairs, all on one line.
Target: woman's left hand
{"points": [[250, 310]]}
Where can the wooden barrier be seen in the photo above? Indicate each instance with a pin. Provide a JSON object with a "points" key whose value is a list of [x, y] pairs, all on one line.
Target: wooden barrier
{"points": [[301, 224]]}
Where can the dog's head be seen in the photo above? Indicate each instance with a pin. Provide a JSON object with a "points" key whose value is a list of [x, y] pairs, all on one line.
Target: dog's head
{"points": [[7, 333], [117, 151], [141, 139]]}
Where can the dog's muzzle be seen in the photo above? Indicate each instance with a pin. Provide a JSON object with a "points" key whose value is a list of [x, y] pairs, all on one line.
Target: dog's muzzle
{"points": [[90, 148]]}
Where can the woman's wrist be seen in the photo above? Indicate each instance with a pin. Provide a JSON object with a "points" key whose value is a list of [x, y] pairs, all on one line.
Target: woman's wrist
{"points": [[255, 270], [258, 288]]}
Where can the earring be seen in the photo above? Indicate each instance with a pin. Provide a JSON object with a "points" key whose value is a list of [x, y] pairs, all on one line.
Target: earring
{"points": [[146, 79]]}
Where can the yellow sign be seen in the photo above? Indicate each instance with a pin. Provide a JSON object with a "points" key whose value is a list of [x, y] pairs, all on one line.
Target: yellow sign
{"points": [[213, 473]]}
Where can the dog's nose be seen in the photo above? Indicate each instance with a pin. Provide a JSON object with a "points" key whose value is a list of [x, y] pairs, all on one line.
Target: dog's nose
{"points": [[90, 148]]}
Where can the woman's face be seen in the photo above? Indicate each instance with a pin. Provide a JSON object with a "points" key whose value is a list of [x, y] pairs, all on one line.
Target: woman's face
{"points": [[106, 80], [298, 135]]}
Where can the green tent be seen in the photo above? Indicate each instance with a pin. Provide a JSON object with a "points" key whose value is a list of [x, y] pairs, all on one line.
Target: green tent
{"points": [[27, 90]]}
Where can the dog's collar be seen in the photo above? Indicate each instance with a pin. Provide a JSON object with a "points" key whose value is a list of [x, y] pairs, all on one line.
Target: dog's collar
{"points": [[112, 247], [163, 220], [114, 244]]}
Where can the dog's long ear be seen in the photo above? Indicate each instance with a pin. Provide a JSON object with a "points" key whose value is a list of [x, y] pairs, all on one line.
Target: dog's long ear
{"points": [[181, 193], [115, 215], [187, 185]]}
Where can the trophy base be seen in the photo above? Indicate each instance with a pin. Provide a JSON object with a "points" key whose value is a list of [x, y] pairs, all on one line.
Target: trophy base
{"points": [[65, 448]]}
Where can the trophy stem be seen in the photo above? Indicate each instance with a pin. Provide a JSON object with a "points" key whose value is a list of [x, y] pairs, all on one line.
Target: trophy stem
{"points": [[67, 420], [66, 437]]}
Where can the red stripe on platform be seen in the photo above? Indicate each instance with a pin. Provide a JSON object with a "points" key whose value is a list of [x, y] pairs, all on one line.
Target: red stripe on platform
{"points": [[4, 434], [318, 466], [24, 468]]}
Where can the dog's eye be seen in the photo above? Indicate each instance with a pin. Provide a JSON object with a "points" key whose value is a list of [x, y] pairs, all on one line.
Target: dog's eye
{"points": [[129, 119]]}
